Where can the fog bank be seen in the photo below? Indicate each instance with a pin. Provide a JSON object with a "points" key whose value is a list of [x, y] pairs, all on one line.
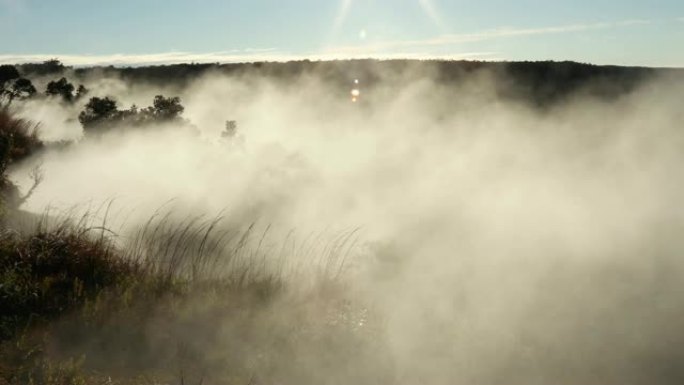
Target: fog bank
{"points": [[499, 241]]}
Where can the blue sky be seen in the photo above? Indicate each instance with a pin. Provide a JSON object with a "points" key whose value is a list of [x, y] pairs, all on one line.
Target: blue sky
{"points": [[627, 32]]}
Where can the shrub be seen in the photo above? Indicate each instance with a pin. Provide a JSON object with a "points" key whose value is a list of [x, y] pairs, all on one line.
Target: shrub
{"points": [[50, 272], [18, 141], [103, 113], [7, 73], [99, 111]]}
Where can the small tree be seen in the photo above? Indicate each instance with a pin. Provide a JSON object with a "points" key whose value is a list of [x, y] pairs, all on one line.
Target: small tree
{"points": [[20, 88], [167, 108], [48, 67], [98, 111], [18, 141], [7, 73], [103, 112], [62, 88], [81, 92], [230, 131]]}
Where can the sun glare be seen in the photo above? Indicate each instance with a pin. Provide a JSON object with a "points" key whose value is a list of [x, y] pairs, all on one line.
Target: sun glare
{"points": [[431, 11], [428, 7], [342, 14]]}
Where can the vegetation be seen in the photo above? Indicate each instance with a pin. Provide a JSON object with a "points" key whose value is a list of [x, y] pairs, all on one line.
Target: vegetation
{"points": [[184, 303], [542, 83], [20, 88], [191, 301], [44, 276], [18, 141], [79, 307], [103, 113], [13, 86], [49, 67], [50, 272], [7, 73], [65, 90]]}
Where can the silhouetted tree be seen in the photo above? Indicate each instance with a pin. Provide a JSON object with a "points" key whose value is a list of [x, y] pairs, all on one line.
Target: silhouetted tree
{"points": [[52, 66], [167, 108], [20, 88], [18, 141], [62, 88], [231, 129], [7, 73], [103, 113], [98, 111], [81, 92]]}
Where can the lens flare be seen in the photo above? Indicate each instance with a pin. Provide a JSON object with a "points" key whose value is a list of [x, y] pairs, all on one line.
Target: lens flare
{"points": [[431, 11], [342, 14]]}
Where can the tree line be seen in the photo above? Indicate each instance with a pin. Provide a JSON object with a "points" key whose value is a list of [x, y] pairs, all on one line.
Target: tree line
{"points": [[13, 86], [103, 113], [99, 112]]}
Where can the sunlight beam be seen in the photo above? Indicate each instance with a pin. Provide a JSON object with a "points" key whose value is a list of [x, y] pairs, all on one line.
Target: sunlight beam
{"points": [[432, 12], [341, 15]]}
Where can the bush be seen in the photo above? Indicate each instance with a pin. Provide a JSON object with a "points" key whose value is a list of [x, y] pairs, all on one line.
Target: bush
{"points": [[18, 141], [79, 308], [103, 113], [99, 111], [7, 73], [46, 274], [52, 66], [62, 88]]}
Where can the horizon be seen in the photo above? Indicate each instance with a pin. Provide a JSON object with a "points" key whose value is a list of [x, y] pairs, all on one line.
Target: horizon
{"points": [[128, 33], [363, 192], [41, 59], [70, 63]]}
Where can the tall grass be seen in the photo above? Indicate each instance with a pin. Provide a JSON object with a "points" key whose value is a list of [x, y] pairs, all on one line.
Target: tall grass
{"points": [[181, 299], [18, 140], [19, 136], [176, 299]]}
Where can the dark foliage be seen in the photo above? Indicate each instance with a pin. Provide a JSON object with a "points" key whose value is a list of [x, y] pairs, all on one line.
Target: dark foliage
{"points": [[62, 88], [81, 92], [48, 67], [179, 74], [103, 113], [541, 83], [18, 141], [50, 272], [7, 73], [166, 108], [98, 111], [13, 86], [20, 88]]}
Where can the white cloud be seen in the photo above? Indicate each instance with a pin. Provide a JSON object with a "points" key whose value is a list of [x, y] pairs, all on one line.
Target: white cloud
{"points": [[397, 49], [247, 55], [231, 57], [452, 39]]}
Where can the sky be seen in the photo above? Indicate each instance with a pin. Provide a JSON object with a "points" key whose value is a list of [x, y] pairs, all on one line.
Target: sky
{"points": [[84, 32]]}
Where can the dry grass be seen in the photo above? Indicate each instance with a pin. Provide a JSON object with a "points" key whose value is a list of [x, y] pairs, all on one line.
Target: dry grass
{"points": [[19, 136], [177, 301]]}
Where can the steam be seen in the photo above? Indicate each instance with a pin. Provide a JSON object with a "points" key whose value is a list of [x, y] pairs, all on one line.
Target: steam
{"points": [[501, 243]]}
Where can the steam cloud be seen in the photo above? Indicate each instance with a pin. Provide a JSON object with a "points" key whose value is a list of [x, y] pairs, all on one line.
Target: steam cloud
{"points": [[501, 243]]}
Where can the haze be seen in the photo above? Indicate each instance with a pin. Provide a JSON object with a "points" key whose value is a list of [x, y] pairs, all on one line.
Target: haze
{"points": [[418, 220]]}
